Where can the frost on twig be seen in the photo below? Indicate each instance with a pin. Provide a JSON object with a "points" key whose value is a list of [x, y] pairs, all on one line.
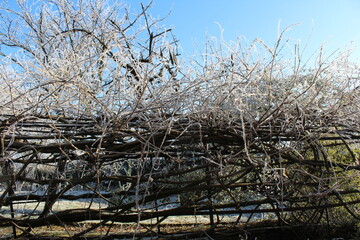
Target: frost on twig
{"points": [[98, 104]]}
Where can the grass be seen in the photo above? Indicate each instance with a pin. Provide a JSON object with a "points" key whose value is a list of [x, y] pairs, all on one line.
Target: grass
{"points": [[262, 230]]}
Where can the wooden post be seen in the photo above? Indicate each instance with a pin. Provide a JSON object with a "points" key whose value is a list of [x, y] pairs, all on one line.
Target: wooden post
{"points": [[208, 182]]}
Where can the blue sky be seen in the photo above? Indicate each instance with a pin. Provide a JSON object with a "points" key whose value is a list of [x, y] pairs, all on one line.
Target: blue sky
{"points": [[334, 23]]}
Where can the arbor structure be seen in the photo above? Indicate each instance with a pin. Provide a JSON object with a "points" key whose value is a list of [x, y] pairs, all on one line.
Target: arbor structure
{"points": [[97, 105]]}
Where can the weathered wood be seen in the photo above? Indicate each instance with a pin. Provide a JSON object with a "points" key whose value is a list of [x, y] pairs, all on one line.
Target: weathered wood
{"points": [[85, 116]]}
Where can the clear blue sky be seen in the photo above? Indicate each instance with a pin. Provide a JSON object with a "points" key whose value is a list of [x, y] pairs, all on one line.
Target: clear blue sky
{"points": [[334, 23]]}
